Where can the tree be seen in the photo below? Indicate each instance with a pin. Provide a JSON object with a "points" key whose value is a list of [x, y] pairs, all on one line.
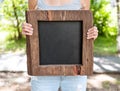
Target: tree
{"points": [[118, 16], [14, 12], [102, 18]]}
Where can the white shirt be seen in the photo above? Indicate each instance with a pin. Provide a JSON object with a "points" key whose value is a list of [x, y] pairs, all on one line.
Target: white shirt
{"points": [[75, 5]]}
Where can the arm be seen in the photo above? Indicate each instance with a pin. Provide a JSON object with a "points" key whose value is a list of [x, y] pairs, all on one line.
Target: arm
{"points": [[92, 32], [85, 4]]}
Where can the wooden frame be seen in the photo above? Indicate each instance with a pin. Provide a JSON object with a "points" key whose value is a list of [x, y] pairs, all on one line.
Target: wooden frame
{"points": [[33, 43]]}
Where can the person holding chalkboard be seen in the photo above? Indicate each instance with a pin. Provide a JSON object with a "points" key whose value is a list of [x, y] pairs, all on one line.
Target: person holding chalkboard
{"points": [[60, 83]]}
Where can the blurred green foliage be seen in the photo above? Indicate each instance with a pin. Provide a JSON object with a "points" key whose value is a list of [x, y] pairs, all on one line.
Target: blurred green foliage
{"points": [[105, 46], [102, 17], [13, 15]]}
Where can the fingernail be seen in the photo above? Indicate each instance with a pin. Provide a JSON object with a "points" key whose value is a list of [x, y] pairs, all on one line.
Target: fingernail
{"points": [[30, 25], [87, 37], [32, 29], [95, 27]]}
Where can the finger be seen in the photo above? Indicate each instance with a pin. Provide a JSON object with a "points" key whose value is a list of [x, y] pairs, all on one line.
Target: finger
{"points": [[92, 30], [94, 27], [26, 24], [23, 33], [27, 29], [90, 37], [94, 35], [27, 33]]}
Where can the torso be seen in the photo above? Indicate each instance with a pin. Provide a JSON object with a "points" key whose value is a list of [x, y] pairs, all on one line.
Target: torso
{"points": [[59, 4]]}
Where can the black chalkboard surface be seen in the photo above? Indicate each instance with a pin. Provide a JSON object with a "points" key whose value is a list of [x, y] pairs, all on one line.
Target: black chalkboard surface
{"points": [[60, 42]]}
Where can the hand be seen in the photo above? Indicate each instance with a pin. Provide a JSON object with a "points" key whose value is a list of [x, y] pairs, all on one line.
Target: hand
{"points": [[92, 33], [27, 29]]}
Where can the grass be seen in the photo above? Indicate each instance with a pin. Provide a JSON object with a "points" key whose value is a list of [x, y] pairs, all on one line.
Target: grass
{"points": [[15, 45], [7, 45], [106, 84], [105, 46], [118, 82]]}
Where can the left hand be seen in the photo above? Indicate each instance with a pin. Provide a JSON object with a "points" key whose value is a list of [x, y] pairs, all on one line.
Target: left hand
{"points": [[92, 33]]}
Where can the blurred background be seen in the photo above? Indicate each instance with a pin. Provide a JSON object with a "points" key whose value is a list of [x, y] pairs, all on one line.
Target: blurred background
{"points": [[13, 75]]}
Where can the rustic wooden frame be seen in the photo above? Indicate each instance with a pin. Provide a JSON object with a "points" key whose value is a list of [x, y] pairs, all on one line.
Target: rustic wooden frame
{"points": [[33, 43]]}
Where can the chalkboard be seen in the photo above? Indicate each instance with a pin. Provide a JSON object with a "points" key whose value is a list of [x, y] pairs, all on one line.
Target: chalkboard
{"points": [[60, 42]]}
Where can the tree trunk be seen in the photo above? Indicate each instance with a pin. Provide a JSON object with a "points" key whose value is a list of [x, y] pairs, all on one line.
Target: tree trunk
{"points": [[18, 23], [118, 16]]}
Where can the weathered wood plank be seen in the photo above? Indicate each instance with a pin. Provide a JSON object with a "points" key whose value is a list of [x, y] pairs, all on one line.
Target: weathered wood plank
{"points": [[33, 48]]}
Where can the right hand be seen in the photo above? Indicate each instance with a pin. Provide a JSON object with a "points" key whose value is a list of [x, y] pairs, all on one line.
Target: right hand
{"points": [[27, 29]]}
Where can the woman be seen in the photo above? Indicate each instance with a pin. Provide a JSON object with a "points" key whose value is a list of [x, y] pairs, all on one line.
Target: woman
{"points": [[60, 83]]}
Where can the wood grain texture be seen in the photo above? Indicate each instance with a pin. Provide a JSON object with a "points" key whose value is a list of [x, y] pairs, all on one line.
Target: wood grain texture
{"points": [[33, 43]]}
